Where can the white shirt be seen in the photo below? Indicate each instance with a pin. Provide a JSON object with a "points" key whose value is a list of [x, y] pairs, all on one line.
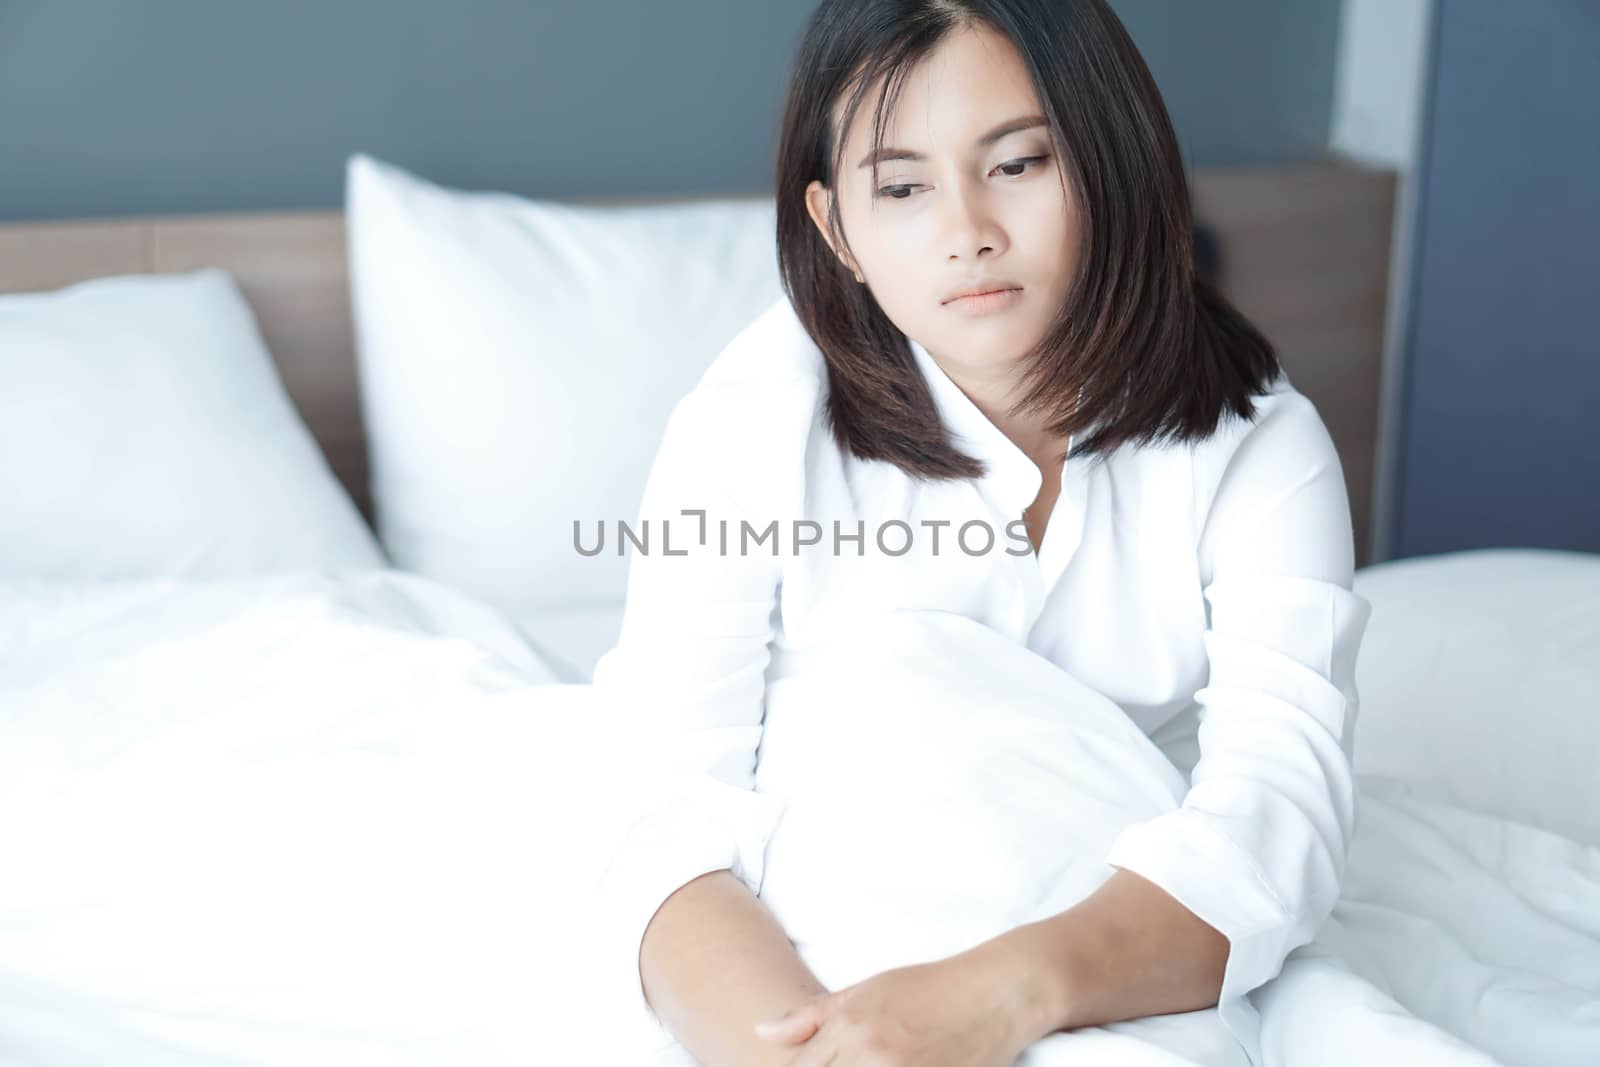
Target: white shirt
{"points": [[1206, 589]]}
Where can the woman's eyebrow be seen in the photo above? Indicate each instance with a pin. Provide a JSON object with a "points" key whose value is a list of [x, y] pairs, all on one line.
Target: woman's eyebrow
{"points": [[1012, 126]]}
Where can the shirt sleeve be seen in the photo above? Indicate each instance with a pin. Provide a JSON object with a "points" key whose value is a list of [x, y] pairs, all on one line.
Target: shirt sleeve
{"points": [[685, 683], [1258, 847]]}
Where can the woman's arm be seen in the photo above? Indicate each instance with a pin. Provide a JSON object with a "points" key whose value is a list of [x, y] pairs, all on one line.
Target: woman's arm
{"points": [[1208, 900], [1126, 951], [713, 960], [685, 689]]}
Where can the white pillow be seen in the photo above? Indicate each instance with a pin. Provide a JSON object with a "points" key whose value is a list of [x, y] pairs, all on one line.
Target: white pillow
{"points": [[144, 433], [519, 359], [1480, 682]]}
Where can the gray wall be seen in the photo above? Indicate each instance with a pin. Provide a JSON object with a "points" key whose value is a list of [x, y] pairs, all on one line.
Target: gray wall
{"points": [[1246, 81], [1501, 410], [114, 107]]}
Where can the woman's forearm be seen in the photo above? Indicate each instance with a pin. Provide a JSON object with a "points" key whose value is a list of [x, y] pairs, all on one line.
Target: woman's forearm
{"points": [[1126, 951], [714, 961]]}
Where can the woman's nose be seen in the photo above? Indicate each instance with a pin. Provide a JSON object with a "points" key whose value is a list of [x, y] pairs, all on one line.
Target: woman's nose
{"points": [[969, 226]]}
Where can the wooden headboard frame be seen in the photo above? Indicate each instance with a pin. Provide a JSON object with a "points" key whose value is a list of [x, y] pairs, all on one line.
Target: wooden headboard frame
{"points": [[1304, 252]]}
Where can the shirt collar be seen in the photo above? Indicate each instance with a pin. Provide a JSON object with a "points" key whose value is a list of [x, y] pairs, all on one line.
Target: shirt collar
{"points": [[1012, 480]]}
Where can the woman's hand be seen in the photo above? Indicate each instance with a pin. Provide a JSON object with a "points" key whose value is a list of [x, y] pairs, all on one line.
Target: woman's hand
{"points": [[969, 1010]]}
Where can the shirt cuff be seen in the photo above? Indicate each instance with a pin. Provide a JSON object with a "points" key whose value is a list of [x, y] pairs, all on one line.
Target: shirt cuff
{"points": [[1208, 873], [704, 825]]}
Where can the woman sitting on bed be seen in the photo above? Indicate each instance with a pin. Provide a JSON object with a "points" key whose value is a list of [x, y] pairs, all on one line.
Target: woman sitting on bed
{"points": [[997, 388]]}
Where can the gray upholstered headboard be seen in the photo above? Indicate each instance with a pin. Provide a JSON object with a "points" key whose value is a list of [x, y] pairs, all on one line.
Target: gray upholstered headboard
{"points": [[1304, 252]]}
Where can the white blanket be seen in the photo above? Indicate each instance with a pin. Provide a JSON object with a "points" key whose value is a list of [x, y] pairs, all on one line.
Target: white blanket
{"points": [[340, 819], [959, 785], [301, 820]]}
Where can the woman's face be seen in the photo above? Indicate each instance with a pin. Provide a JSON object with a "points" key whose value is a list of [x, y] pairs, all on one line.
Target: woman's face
{"points": [[956, 207]]}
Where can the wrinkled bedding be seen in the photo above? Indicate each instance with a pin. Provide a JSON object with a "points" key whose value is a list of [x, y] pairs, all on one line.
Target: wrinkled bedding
{"points": [[353, 818], [320, 819]]}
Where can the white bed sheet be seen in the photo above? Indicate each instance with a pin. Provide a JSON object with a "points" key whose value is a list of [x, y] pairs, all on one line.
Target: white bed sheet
{"points": [[571, 639], [350, 819], [307, 819]]}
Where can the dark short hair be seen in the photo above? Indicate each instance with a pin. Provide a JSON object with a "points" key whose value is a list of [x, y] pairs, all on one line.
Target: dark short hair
{"points": [[1157, 351]]}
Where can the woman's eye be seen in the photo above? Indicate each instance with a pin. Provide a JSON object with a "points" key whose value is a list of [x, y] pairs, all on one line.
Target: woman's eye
{"points": [[1021, 164], [902, 192]]}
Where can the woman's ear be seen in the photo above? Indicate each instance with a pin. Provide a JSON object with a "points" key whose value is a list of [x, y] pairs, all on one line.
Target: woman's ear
{"points": [[817, 204]]}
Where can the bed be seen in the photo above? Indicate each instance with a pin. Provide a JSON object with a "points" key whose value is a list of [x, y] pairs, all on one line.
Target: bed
{"points": [[290, 649]]}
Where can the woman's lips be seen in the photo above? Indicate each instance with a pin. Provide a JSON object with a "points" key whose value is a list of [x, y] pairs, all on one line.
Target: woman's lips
{"points": [[984, 303]]}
